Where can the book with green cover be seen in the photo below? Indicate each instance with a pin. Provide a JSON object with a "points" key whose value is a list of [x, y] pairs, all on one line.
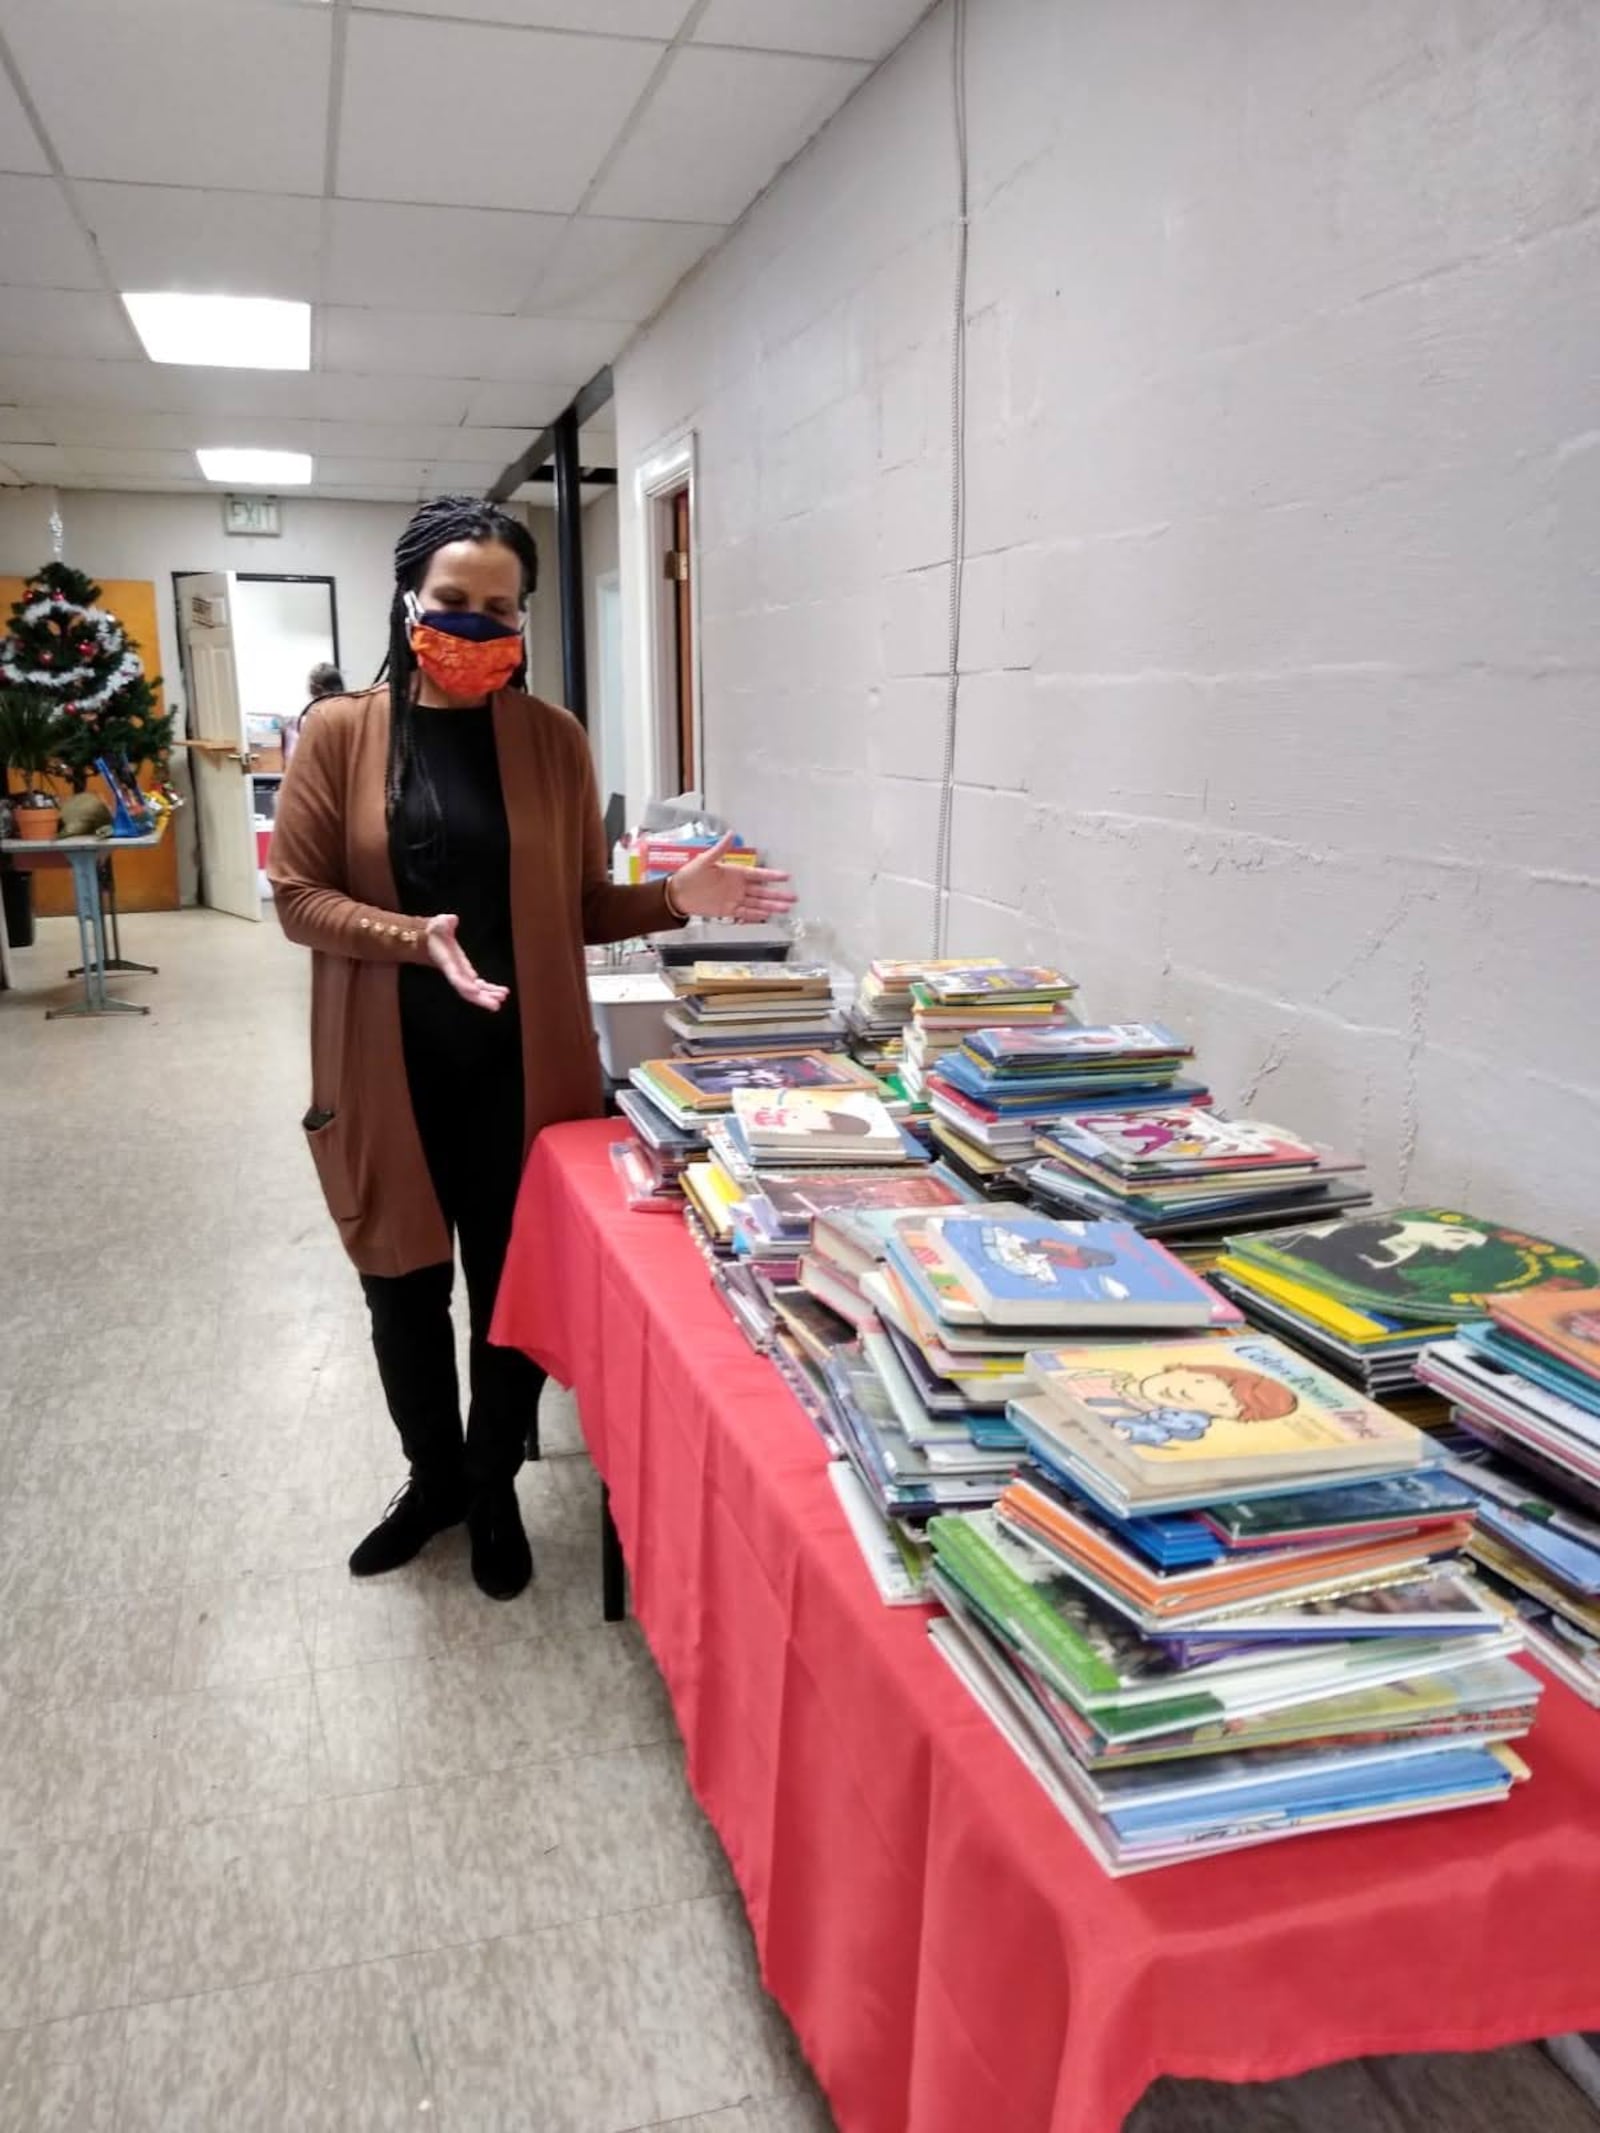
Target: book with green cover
{"points": [[1428, 1263]]}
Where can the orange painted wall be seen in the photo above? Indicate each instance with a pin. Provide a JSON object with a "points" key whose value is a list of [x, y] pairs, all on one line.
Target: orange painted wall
{"points": [[146, 881]]}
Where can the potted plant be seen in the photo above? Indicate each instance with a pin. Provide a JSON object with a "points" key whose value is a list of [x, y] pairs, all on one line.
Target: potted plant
{"points": [[30, 728]]}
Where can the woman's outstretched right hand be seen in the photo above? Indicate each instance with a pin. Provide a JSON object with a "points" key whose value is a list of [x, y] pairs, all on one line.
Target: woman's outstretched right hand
{"points": [[447, 955]]}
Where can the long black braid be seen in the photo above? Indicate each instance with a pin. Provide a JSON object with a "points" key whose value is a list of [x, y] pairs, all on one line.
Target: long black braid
{"points": [[411, 802]]}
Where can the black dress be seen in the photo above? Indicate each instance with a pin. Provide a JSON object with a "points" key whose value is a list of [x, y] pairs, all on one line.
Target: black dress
{"points": [[463, 1069]]}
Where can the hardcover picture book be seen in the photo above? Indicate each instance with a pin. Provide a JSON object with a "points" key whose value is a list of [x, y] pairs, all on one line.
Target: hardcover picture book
{"points": [[1244, 1404], [1030, 1270], [985, 982], [1564, 1322], [709, 1084], [832, 1124], [1421, 1262], [1183, 1139]]}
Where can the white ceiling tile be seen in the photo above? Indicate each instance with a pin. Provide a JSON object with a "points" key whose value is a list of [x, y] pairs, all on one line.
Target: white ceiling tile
{"points": [[210, 244], [343, 397], [524, 405], [542, 110], [427, 343], [40, 242], [169, 92], [605, 268], [118, 428], [39, 462], [20, 148], [109, 466], [455, 258], [380, 473], [356, 492], [484, 442], [387, 440], [848, 29], [23, 425], [472, 476], [721, 125], [66, 322], [615, 18], [35, 382]]}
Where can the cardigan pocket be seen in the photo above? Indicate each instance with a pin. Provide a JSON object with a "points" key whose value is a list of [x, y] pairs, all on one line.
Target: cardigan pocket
{"points": [[326, 1138]]}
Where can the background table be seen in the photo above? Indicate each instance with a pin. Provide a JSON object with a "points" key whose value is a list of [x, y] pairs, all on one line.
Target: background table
{"points": [[950, 1955], [85, 856]]}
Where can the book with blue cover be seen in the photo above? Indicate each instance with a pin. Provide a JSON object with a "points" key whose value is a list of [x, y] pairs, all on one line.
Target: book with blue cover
{"points": [[1028, 1270]]}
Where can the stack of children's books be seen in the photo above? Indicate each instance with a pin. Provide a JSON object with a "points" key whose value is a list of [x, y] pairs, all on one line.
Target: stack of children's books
{"points": [[1525, 1388], [1225, 1602], [994, 1093], [749, 1007], [1367, 1294], [882, 1009], [950, 1002], [944, 1306], [1186, 1173]]}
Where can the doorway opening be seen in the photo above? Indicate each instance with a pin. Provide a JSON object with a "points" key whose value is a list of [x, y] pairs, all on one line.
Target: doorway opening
{"points": [[672, 735]]}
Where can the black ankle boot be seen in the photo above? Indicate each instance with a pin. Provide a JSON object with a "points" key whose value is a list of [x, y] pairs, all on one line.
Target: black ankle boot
{"points": [[405, 1529], [502, 1561]]}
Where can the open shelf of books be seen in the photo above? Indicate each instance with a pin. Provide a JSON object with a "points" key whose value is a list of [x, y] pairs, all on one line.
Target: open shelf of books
{"points": [[1235, 1503]]}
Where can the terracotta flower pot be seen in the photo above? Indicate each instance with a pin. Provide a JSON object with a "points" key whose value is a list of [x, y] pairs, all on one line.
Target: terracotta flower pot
{"points": [[37, 824]]}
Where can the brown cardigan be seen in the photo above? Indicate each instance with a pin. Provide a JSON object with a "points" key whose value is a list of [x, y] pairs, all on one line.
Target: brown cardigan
{"points": [[335, 893]]}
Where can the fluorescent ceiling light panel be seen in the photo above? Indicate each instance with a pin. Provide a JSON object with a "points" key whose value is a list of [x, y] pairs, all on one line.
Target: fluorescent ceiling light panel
{"points": [[228, 332], [256, 470]]}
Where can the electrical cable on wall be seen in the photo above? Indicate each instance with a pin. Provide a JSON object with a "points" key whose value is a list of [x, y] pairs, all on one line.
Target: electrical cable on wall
{"points": [[958, 485]]}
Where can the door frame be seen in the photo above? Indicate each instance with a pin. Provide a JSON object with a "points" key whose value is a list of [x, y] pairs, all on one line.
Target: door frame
{"points": [[657, 479]]}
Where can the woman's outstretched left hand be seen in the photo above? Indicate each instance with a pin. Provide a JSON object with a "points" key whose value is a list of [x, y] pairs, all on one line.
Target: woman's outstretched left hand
{"points": [[713, 887]]}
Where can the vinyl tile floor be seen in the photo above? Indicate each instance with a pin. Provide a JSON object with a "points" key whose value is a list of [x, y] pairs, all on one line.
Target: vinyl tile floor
{"points": [[278, 1851]]}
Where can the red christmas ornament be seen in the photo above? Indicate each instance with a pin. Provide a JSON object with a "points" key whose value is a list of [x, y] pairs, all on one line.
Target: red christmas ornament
{"points": [[45, 659]]}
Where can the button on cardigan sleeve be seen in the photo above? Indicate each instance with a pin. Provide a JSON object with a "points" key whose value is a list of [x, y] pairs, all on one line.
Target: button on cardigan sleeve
{"points": [[307, 861]]}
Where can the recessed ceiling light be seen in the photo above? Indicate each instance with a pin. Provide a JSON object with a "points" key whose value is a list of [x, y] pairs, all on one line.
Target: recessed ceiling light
{"points": [[234, 332], [255, 470]]}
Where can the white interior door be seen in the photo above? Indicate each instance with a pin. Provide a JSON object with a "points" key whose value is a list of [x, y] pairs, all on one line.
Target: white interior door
{"points": [[217, 753]]}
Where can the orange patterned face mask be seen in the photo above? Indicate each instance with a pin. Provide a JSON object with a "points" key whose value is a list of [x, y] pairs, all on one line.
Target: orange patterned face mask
{"points": [[465, 655]]}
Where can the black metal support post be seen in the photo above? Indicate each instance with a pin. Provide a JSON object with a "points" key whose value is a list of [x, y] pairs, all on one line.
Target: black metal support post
{"points": [[613, 1570], [569, 548]]}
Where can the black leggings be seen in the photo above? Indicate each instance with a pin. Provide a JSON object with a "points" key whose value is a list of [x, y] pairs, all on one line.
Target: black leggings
{"points": [[471, 1129]]}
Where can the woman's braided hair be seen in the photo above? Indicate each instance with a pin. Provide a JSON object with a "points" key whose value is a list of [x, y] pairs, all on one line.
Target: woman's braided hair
{"points": [[434, 525]]}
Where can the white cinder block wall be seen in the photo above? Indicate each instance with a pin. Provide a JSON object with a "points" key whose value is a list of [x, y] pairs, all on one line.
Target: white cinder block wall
{"points": [[1281, 709]]}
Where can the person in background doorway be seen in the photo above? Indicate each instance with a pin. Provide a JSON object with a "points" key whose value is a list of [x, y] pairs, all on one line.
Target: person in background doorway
{"points": [[323, 680], [439, 849]]}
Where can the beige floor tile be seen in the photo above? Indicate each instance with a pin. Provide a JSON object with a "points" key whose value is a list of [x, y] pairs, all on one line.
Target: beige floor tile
{"points": [[67, 1921], [242, 1630], [261, 1896], [528, 2031], [359, 2054], [535, 1847], [62, 2077], [87, 1769], [94, 1644], [199, 2065]]}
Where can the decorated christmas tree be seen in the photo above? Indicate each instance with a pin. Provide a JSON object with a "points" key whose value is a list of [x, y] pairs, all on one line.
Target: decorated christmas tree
{"points": [[67, 651]]}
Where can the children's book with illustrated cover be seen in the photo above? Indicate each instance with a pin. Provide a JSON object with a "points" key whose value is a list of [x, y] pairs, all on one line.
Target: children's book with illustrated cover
{"points": [[1091, 1044], [712, 978], [1030, 1270], [796, 1121], [989, 981], [1246, 1400], [1182, 1139], [709, 1084], [1565, 1322], [799, 1203], [1421, 1262]]}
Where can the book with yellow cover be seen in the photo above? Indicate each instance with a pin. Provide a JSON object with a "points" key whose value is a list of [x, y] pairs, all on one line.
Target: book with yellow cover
{"points": [[1346, 1321], [1180, 1418]]}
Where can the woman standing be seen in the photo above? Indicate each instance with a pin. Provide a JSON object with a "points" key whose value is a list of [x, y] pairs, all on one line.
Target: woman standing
{"points": [[439, 849]]}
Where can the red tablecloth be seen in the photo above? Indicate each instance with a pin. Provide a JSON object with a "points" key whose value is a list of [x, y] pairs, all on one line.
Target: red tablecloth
{"points": [[950, 1955]]}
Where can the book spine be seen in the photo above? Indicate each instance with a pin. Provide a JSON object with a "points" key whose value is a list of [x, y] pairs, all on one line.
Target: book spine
{"points": [[1014, 1599]]}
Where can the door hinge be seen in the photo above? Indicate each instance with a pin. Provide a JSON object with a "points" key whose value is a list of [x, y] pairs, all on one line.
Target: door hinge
{"points": [[675, 565]]}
